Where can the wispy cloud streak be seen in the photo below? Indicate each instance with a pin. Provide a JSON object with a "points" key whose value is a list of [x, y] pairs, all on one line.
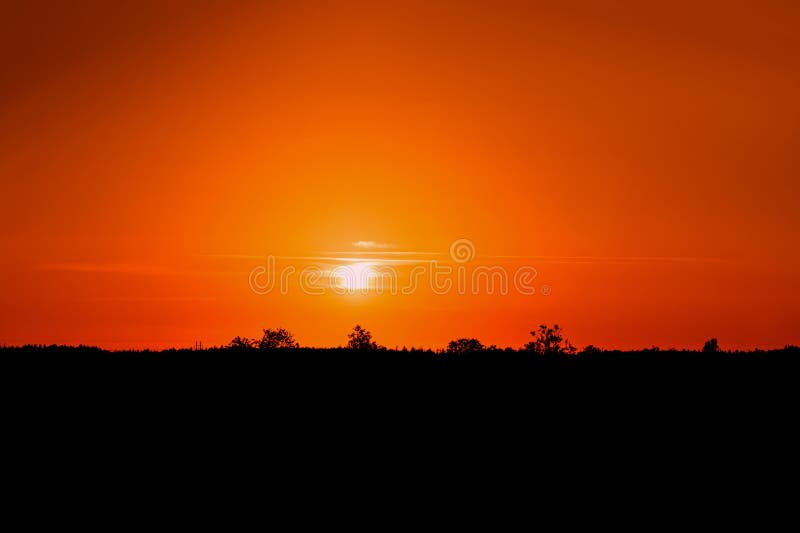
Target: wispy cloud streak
{"points": [[373, 245], [102, 268]]}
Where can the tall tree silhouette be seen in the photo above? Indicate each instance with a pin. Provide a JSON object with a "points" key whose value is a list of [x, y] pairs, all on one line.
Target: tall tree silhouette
{"points": [[361, 339], [274, 339], [549, 341]]}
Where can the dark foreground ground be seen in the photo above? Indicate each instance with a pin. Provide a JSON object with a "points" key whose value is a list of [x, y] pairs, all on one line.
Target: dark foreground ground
{"points": [[660, 432], [609, 383]]}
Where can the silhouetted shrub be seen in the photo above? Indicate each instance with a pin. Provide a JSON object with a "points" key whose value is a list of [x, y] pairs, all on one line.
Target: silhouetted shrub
{"points": [[591, 350], [549, 341], [242, 343], [711, 346], [361, 339], [464, 345], [277, 339]]}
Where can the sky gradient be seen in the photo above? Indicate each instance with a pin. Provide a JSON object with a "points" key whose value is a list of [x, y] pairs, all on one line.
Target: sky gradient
{"points": [[643, 158]]}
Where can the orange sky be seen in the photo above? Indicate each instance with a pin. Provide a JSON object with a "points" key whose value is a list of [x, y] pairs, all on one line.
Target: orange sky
{"points": [[643, 158]]}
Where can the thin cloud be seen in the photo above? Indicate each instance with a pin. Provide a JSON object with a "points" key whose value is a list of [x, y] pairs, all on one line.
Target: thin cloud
{"points": [[102, 268], [131, 269], [608, 259], [230, 256], [148, 299], [382, 253], [322, 258], [337, 257], [373, 245]]}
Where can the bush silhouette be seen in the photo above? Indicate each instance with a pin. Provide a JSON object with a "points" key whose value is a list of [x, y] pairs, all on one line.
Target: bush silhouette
{"points": [[242, 343], [464, 345], [711, 346], [361, 339], [275, 339], [549, 341], [591, 350]]}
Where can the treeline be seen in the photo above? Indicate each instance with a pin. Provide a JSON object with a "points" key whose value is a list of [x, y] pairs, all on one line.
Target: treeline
{"points": [[547, 377], [545, 341], [273, 390], [365, 370]]}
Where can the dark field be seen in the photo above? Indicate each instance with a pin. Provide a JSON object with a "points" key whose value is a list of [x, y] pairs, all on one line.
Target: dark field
{"points": [[303, 423], [319, 378]]}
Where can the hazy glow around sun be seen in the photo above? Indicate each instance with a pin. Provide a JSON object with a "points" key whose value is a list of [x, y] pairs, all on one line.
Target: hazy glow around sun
{"points": [[355, 276]]}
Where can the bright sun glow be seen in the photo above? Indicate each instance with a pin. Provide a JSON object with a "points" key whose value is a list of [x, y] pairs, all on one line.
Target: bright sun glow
{"points": [[355, 276]]}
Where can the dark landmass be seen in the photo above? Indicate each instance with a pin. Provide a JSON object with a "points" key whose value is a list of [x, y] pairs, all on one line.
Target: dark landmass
{"points": [[311, 419], [587, 380]]}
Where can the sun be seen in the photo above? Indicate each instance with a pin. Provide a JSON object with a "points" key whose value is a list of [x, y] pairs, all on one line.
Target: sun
{"points": [[354, 277]]}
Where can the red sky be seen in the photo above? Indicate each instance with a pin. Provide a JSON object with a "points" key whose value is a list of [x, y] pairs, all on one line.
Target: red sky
{"points": [[642, 157]]}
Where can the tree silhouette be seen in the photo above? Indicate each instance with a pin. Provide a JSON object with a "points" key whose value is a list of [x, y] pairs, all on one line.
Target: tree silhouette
{"points": [[361, 339], [591, 350], [242, 343], [464, 345], [549, 341], [711, 346], [274, 339]]}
